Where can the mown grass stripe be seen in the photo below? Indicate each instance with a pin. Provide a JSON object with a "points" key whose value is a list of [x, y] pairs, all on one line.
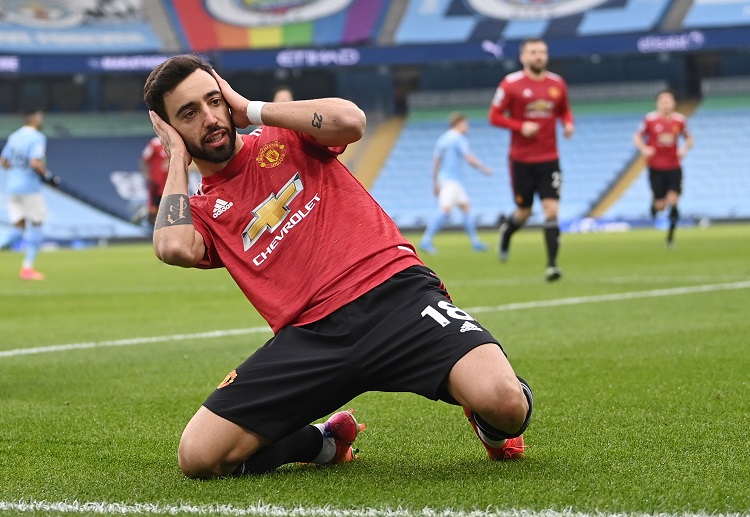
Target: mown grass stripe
{"points": [[577, 300]]}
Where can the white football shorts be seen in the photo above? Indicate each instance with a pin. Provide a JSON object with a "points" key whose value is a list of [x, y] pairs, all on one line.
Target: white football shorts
{"points": [[452, 193], [27, 206]]}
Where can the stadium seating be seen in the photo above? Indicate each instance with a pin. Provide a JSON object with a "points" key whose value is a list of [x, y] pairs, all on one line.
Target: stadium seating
{"points": [[636, 15], [717, 13]]}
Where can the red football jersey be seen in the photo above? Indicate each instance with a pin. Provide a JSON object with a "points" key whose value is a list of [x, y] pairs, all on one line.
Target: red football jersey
{"points": [[543, 102], [297, 232], [663, 134], [158, 162]]}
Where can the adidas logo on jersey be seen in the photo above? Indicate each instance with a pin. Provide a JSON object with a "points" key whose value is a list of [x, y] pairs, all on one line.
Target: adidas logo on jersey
{"points": [[221, 206], [467, 326]]}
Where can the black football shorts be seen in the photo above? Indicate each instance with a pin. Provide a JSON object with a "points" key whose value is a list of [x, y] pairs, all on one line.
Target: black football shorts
{"points": [[403, 336], [663, 181], [542, 178]]}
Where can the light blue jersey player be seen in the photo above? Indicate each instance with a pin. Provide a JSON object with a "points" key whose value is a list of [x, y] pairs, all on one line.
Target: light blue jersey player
{"points": [[23, 158], [451, 152]]}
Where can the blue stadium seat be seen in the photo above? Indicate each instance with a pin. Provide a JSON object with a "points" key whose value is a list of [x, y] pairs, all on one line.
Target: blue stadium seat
{"points": [[717, 13], [636, 15]]}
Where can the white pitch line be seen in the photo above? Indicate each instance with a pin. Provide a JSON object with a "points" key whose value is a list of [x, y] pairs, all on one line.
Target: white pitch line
{"points": [[132, 341], [633, 295], [263, 510], [559, 302]]}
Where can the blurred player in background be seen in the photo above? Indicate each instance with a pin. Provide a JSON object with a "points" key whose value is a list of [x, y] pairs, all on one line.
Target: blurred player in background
{"points": [[155, 166], [657, 139], [351, 305], [24, 157], [282, 93], [529, 102], [451, 151]]}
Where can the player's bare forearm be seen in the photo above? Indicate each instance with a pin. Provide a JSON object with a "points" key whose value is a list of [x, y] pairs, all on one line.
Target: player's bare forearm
{"points": [[38, 166], [332, 121], [175, 240]]}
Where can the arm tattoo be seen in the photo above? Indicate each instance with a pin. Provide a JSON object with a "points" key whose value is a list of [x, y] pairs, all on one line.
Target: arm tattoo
{"points": [[317, 120], [174, 209]]}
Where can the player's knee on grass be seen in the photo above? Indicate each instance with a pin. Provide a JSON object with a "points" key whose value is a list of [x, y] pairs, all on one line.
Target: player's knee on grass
{"points": [[191, 464], [505, 411], [200, 460]]}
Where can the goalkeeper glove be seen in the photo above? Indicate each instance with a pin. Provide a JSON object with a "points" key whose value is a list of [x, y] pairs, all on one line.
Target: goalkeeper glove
{"points": [[52, 179]]}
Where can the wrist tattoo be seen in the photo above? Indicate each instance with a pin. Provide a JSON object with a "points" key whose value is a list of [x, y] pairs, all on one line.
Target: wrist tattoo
{"points": [[317, 120], [174, 209]]}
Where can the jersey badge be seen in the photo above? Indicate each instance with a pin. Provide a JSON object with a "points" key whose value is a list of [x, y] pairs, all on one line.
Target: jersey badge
{"points": [[554, 92], [271, 154], [221, 206], [229, 379]]}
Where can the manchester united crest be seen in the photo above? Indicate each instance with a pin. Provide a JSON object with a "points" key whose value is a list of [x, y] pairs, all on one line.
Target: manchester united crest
{"points": [[271, 155]]}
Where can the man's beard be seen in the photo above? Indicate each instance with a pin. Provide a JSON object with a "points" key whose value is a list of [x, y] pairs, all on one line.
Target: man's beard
{"points": [[537, 69], [214, 155]]}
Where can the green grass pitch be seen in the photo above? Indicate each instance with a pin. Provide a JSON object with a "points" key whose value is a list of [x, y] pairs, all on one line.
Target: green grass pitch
{"points": [[639, 360]]}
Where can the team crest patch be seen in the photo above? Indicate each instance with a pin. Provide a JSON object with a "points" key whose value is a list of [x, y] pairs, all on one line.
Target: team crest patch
{"points": [[554, 92], [271, 155], [229, 379]]}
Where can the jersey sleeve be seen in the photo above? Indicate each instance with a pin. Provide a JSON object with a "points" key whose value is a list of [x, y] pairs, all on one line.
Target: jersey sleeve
{"points": [[463, 146], [211, 259], [38, 148], [642, 128], [147, 152], [309, 140], [498, 107], [565, 113]]}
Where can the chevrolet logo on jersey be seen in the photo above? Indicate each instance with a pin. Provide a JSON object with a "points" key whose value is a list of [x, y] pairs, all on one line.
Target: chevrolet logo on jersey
{"points": [[269, 215]]}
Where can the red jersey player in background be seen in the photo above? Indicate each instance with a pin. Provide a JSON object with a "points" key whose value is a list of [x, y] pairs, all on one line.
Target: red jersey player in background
{"points": [[657, 139], [155, 166], [351, 305], [529, 103]]}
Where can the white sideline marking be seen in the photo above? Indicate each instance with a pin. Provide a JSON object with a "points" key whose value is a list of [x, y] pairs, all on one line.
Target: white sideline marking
{"points": [[577, 300], [263, 510], [633, 295], [132, 341]]}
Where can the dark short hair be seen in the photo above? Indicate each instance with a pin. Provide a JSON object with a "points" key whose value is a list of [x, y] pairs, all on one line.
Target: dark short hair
{"points": [[165, 78], [28, 111], [282, 88], [530, 40], [670, 91]]}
